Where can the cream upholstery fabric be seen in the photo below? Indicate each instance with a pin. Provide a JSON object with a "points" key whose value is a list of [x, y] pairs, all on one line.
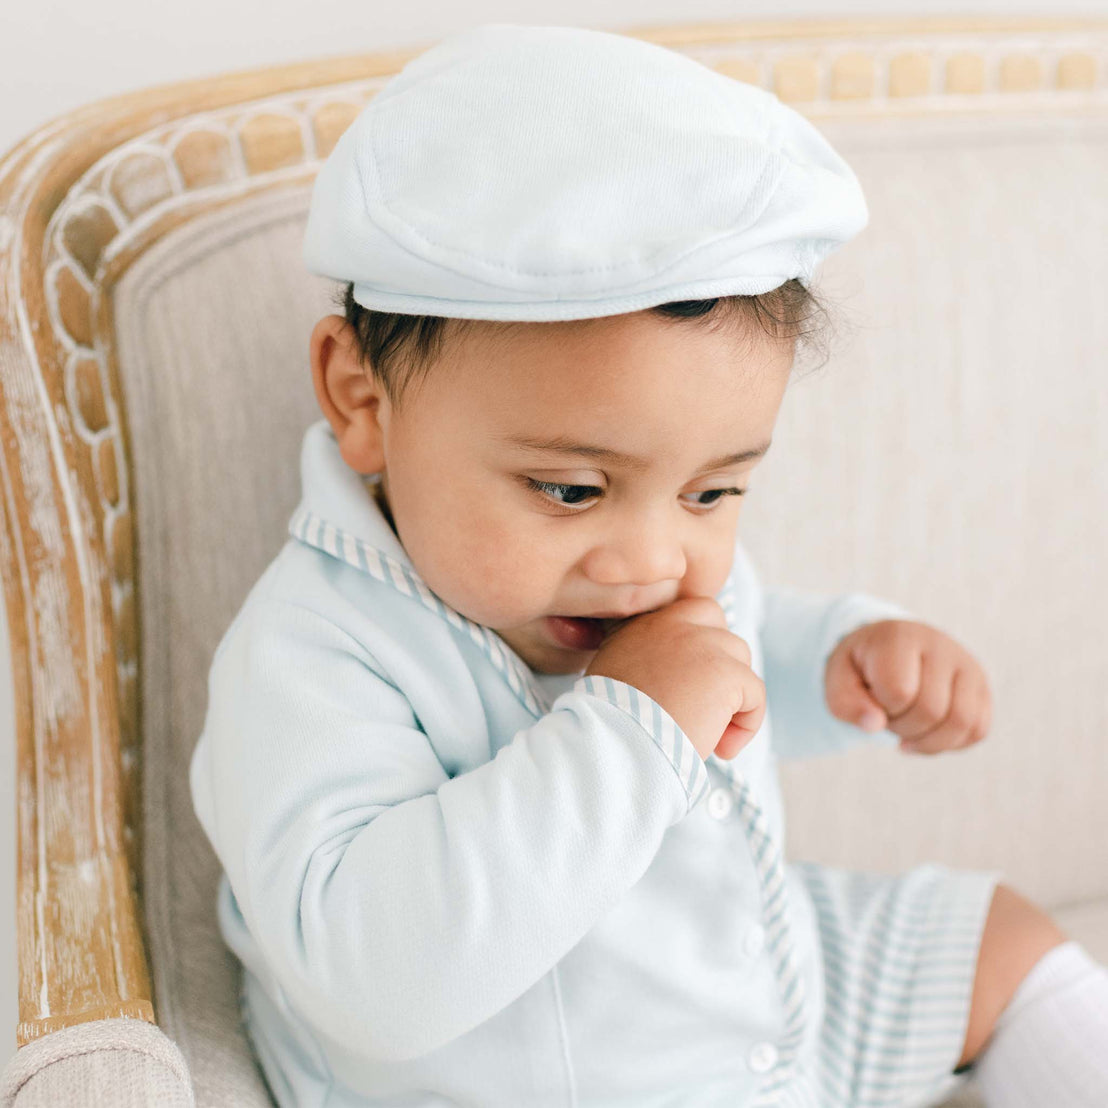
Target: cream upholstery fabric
{"points": [[112, 1063], [951, 457], [214, 341]]}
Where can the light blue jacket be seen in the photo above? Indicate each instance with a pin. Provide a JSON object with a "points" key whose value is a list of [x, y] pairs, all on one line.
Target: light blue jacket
{"points": [[454, 881]]}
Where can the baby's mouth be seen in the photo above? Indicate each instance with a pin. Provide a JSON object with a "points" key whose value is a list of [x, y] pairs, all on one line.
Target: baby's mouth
{"points": [[579, 632]]}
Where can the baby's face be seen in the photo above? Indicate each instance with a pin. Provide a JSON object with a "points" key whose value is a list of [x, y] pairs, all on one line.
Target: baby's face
{"points": [[511, 534]]}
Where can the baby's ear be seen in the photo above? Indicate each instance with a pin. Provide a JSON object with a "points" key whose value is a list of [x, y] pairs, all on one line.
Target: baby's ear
{"points": [[348, 394]]}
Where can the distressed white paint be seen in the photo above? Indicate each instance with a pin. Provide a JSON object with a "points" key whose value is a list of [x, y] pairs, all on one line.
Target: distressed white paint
{"points": [[9, 980], [57, 685], [32, 643]]}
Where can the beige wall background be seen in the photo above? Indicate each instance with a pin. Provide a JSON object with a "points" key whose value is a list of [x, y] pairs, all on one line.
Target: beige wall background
{"points": [[58, 54]]}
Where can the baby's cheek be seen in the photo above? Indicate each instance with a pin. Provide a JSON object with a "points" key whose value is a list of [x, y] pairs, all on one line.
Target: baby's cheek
{"points": [[486, 576], [493, 596]]}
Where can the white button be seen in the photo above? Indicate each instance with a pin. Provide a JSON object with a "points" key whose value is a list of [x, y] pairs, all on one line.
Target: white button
{"points": [[762, 1057], [755, 940], [719, 803]]}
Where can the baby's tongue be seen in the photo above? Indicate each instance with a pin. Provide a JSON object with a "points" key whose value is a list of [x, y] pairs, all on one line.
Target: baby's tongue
{"points": [[578, 632]]}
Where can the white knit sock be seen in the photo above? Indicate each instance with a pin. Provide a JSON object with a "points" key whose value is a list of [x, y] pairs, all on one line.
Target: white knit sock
{"points": [[1050, 1045]]}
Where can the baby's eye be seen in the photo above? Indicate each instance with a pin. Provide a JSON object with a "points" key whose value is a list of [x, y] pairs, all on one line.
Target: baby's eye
{"points": [[717, 495], [577, 494]]}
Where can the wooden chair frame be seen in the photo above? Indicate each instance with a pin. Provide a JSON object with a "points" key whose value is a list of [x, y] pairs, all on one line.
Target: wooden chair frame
{"points": [[80, 199]]}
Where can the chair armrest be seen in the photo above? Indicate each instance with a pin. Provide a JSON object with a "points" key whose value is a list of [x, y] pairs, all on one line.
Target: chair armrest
{"points": [[67, 533], [127, 1063]]}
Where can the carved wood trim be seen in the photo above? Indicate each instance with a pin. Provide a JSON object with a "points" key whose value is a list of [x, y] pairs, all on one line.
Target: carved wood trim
{"points": [[80, 199]]}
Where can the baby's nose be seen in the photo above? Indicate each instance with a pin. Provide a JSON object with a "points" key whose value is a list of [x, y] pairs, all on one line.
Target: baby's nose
{"points": [[633, 562]]}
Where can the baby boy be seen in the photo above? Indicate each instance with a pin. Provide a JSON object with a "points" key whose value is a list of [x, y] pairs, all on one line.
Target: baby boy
{"points": [[490, 753]]}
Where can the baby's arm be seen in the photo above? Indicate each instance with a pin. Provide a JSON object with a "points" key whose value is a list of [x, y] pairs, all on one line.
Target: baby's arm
{"points": [[399, 907], [798, 631]]}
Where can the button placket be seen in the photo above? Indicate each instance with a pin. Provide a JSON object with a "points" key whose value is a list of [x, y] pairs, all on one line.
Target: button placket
{"points": [[772, 877]]}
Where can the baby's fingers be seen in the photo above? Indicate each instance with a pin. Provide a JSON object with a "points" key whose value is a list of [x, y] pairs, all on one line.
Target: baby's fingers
{"points": [[734, 739], [965, 723], [750, 711], [929, 706]]}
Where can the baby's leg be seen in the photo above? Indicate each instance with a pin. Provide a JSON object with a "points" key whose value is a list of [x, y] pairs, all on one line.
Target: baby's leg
{"points": [[1038, 1028], [1017, 935]]}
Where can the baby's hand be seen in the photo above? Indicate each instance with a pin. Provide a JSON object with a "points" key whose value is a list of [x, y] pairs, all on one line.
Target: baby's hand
{"points": [[684, 657], [912, 679]]}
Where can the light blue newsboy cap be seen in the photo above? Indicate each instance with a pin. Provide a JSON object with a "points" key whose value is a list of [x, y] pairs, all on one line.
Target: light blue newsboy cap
{"points": [[519, 172]]}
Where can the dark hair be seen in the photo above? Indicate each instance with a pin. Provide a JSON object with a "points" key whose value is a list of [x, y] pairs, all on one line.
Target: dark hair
{"points": [[400, 348]]}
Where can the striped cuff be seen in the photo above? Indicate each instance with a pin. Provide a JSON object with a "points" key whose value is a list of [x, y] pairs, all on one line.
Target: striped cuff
{"points": [[659, 725]]}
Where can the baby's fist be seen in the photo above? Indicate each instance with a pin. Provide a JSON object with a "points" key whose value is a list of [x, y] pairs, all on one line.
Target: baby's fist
{"points": [[913, 680]]}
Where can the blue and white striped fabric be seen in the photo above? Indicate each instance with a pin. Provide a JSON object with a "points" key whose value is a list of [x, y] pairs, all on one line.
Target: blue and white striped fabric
{"points": [[451, 880], [899, 954]]}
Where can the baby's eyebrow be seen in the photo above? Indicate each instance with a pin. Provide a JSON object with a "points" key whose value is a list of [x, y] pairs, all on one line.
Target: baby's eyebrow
{"points": [[562, 445]]}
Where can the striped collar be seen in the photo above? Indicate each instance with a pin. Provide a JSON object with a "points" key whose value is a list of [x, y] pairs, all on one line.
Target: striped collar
{"points": [[339, 515]]}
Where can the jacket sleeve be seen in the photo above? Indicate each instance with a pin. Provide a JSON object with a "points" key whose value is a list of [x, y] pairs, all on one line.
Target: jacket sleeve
{"points": [[799, 631], [398, 907]]}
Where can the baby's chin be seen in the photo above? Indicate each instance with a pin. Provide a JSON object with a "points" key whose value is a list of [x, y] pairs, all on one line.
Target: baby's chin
{"points": [[564, 667]]}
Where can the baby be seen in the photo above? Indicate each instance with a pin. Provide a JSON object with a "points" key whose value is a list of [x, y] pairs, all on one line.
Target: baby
{"points": [[489, 756]]}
